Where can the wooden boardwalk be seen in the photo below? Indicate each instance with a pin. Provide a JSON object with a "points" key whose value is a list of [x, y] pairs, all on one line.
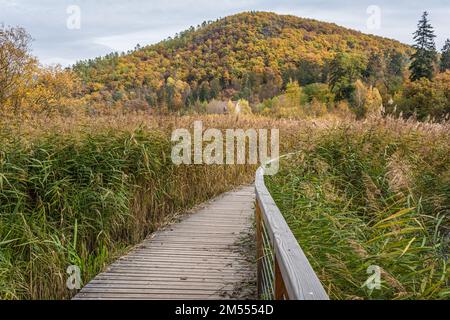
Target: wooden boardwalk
{"points": [[207, 255]]}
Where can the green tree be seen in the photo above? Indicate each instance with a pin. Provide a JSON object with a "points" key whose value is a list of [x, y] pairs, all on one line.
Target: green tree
{"points": [[445, 57], [425, 56], [319, 92], [215, 88], [345, 69], [395, 67], [375, 72], [204, 91], [424, 98], [396, 63]]}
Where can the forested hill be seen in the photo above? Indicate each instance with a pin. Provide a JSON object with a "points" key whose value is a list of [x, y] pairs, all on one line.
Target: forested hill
{"points": [[248, 55]]}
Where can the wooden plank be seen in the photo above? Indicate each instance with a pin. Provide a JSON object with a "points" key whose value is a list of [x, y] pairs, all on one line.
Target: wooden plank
{"points": [[160, 281], [199, 254], [147, 296], [156, 293], [181, 274], [177, 275], [210, 265], [150, 286], [174, 268], [222, 221], [175, 248], [197, 258], [203, 235], [178, 270], [183, 259], [200, 246]]}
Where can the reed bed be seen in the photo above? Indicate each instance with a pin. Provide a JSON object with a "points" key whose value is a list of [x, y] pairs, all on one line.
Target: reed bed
{"points": [[372, 193], [81, 190]]}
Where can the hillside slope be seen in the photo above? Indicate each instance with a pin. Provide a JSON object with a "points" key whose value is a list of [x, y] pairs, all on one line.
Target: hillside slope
{"points": [[251, 55]]}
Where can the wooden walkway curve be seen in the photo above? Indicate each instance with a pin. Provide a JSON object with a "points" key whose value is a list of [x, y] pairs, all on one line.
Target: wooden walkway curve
{"points": [[207, 255]]}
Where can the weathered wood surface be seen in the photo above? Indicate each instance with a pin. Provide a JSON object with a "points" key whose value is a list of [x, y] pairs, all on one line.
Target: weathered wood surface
{"points": [[203, 256], [294, 275]]}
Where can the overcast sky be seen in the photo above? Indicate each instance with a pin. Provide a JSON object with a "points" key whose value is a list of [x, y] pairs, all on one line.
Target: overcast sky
{"points": [[113, 25]]}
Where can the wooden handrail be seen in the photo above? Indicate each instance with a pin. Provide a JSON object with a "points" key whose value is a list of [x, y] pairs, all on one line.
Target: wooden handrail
{"points": [[292, 275]]}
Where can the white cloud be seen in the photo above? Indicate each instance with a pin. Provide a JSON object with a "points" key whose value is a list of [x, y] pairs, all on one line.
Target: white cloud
{"points": [[126, 41], [113, 25]]}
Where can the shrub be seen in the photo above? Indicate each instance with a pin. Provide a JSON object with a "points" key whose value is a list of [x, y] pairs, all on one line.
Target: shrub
{"points": [[424, 98]]}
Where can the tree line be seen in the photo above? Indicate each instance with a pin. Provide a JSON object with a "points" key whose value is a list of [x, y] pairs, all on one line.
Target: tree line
{"points": [[281, 65]]}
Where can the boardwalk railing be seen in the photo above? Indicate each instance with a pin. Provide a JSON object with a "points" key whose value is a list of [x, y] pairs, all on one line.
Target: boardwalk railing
{"points": [[284, 272]]}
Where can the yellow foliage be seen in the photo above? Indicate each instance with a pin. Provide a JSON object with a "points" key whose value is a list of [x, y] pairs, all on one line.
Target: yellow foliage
{"points": [[52, 90], [241, 107], [366, 100]]}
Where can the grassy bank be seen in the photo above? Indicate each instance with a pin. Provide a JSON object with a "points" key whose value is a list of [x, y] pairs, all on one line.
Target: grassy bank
{"points": [[82, 191], [372, 193]]}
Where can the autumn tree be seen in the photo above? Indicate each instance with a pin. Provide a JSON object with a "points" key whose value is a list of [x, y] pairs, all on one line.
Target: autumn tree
{"points": [[16, 66], [53, 89], [366, 100], [243, 107], [249, 55], [27, 87], [445, 56], [424, 58]]}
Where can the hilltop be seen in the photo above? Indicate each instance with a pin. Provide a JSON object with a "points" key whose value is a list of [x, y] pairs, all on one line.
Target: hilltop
{"points": [[250, 55]]}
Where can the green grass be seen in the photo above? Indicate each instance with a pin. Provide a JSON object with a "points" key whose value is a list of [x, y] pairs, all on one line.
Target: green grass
{"points": [[371, 194]]}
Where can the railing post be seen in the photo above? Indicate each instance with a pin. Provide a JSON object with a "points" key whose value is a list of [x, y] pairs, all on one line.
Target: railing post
{"points": [[259, 249], [280, 288]]}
